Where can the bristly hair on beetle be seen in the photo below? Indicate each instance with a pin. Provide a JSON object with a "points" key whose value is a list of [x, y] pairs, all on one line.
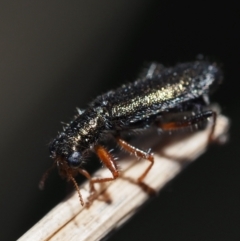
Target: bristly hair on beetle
{"points": [[156, 99]]}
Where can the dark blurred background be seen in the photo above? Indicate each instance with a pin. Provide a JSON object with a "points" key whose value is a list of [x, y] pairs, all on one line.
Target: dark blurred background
{"points": [[57, 55]]}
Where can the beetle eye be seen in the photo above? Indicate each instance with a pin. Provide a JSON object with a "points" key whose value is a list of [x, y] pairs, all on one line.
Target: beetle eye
{"points": [[74, 160]]}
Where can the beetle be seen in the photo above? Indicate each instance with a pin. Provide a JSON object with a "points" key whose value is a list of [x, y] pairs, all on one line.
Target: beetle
{"points": [[157, 98]]}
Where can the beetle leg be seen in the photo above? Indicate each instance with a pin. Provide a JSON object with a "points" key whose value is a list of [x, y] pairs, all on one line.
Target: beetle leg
{"points": [[88, 176], [138, 153], [110, 163], [190, 121]]}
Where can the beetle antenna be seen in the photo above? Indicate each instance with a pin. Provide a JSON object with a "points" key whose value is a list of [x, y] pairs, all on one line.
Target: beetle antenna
{"points": [[77, 188], [45, 176]]}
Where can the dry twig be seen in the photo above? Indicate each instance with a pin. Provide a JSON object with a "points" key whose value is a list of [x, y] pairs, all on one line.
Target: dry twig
{"points": [[70, 221]]}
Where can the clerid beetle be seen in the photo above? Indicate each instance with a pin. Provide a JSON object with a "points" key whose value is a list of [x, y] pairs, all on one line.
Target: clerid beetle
{"points": [[156, 99]]}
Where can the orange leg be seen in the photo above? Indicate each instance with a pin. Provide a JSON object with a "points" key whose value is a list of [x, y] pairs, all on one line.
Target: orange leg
{"points": [[93, 194], [110, 163], [190, 121], [88, 176], [214, 116], [138, 153]]}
